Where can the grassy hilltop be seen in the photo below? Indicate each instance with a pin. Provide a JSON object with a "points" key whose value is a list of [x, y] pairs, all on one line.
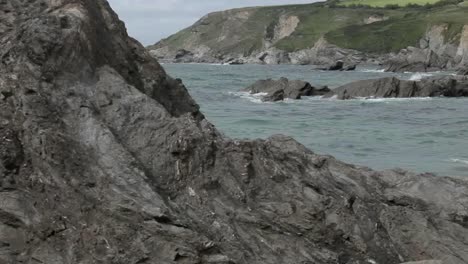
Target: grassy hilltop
{"points": [[245, 30]]}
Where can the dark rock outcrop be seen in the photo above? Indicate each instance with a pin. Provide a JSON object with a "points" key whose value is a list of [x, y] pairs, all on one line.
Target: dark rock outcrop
{"points": [[419, 60], [233, 61], [106, 159], [405, 66], [463, 71], [392, 87], [183, 55], [339, 66], [350, 68], [284, 89]]}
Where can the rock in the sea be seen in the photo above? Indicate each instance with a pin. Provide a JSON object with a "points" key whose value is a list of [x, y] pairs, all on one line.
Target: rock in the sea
{"points": [[339, 66], [233, 61], [350, 68], [278, 90], [415, 59], [404, 66], [106, 159], [392, 87]]}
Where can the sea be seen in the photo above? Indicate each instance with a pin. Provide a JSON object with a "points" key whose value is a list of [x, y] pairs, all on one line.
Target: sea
{"points": [[418, 134]]}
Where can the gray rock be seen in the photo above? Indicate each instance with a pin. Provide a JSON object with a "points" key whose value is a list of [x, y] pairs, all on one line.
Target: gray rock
{"points": [[284, 88], [338, 66], [350, 68], [405, 66], [183, 53], [233, 61], [392, 87], [418, 60], [106, 159], [463, 71]]}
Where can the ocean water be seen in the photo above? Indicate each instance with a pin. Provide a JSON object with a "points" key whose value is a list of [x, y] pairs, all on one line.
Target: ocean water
{"points": [[421, 134]]}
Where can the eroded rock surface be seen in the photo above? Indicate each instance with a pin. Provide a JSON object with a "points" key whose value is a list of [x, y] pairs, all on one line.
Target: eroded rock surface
{"points": [[392, 87], [463, 71], [106, 159], [278, 90], [434, 53]]}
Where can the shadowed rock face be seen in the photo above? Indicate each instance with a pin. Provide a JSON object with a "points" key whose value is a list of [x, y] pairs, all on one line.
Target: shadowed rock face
{"points": [[278, 90], [463, 71], [394, 88], [106, 159], [339, 66]]}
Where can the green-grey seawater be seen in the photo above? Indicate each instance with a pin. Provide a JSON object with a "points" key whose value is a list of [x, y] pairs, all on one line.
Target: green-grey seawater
{"points": [[420, 134]]}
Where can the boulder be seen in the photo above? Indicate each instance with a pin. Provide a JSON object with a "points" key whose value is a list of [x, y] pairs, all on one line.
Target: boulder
{"points": [[278, 90], [233, 61], [392, 87], [182, 53], [338, 66], [350, 68], [104, 158], [183, 56]]}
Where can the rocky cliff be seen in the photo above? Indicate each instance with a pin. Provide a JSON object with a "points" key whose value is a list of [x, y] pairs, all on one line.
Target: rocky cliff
{"points": [[435, 51], [106, 159], [321, 34]]}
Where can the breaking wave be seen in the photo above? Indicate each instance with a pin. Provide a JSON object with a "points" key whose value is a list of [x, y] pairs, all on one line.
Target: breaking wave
{"points": [[254, 98], [419, 76], [459, 161]]}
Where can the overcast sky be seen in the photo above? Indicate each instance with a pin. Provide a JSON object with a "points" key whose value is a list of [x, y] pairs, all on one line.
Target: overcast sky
{"points": [[151, 20]]}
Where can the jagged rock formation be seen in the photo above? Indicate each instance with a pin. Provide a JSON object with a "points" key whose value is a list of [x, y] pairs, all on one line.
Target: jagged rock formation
{"points": [[284, 89], [392, 87], [463, 71], [106, 159], [339, 66], [435, 52]]}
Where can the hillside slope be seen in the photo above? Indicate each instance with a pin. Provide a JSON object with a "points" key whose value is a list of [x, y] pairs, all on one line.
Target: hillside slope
{"points": [[320, 33]]}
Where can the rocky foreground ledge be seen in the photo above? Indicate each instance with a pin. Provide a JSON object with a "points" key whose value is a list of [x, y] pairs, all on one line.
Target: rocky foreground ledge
{"points": [[106, 159]]}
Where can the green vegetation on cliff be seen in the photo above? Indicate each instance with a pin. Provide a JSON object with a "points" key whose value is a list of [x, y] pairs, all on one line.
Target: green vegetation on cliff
{"points": [[379, 30], [400, 31]]}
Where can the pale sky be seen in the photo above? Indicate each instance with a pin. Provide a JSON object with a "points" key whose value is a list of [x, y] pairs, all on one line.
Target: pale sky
{"points": [[151, 20]]}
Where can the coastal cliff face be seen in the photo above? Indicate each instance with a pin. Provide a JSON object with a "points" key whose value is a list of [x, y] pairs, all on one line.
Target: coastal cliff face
{"points": [[435, 51], [320, 34], [106, 159]]}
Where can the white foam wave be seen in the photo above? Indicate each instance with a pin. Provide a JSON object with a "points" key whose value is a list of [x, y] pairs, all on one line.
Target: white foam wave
{"points": [[375, 99], [334, 97], [312, 98], [254, 98], [460, 161], [419, 75], [372, 70]]}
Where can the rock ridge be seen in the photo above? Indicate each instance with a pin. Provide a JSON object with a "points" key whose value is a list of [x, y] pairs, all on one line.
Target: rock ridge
{"points": [[106, 159]]}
